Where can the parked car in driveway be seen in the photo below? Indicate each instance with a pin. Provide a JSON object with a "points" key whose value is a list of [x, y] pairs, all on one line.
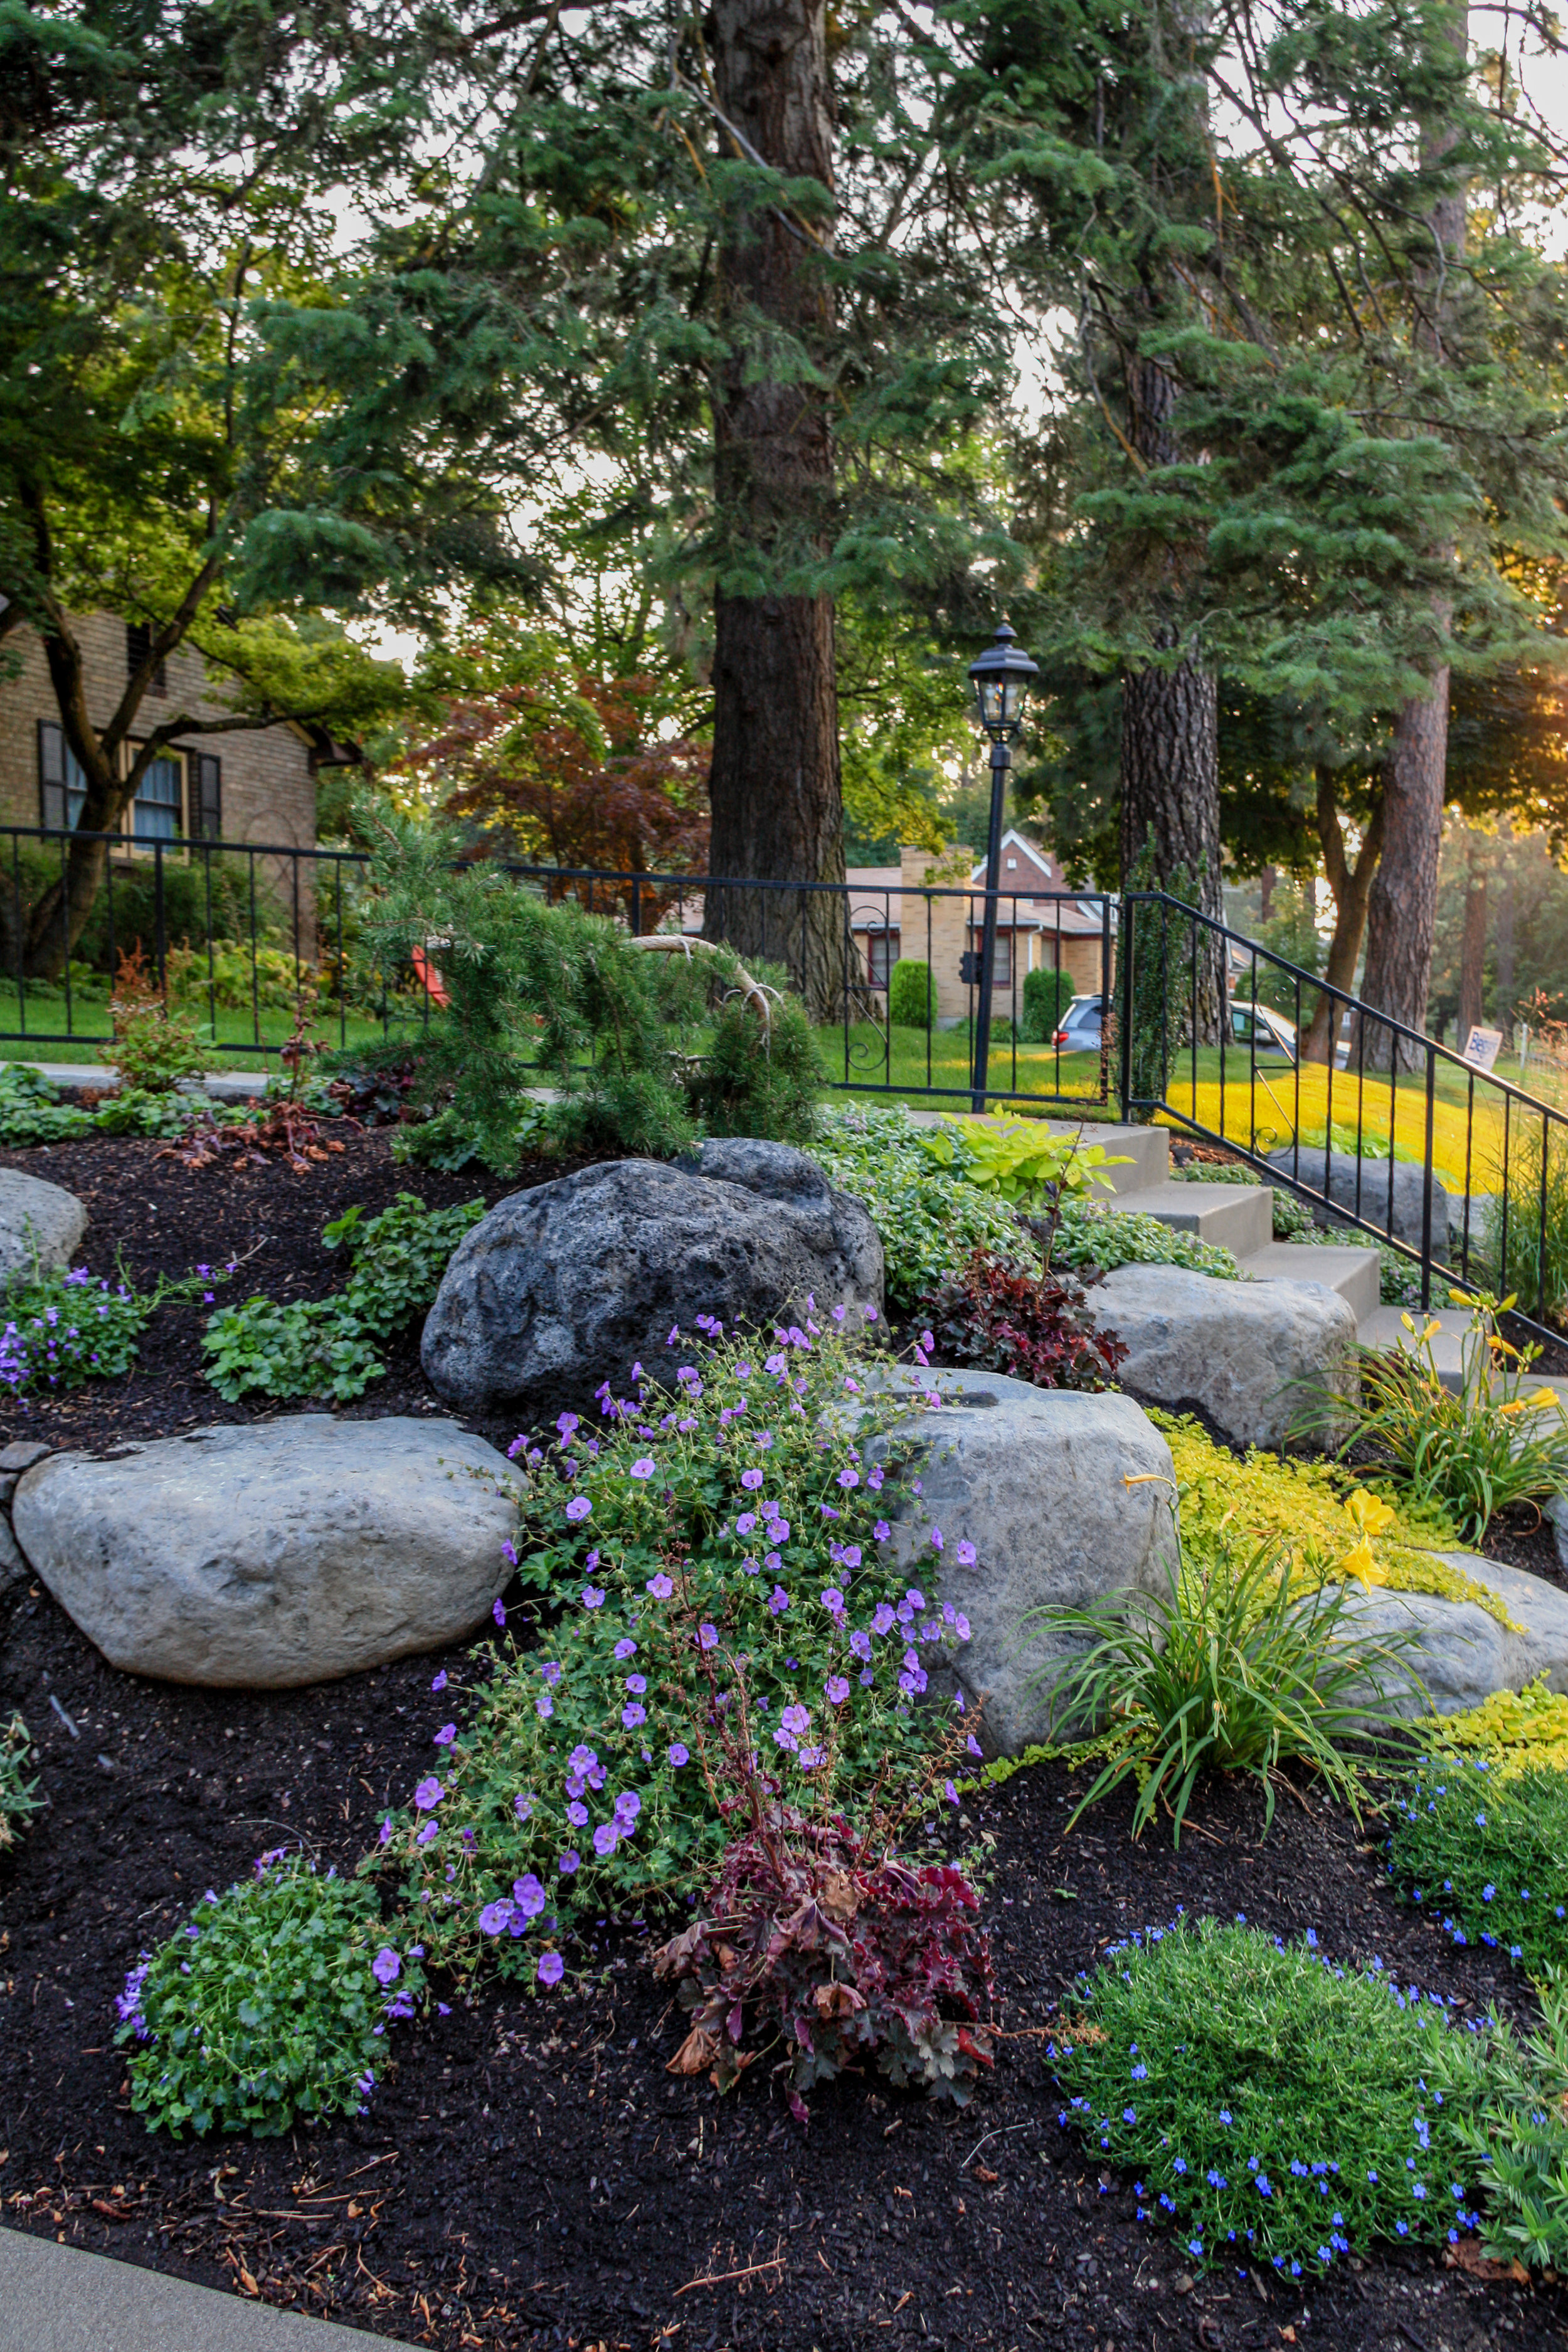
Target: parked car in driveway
{"points": [[1079, 1032], [1260, 1030]]}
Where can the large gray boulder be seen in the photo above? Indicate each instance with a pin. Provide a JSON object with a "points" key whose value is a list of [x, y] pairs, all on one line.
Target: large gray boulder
{"points": [[573, 1283], [1037, 1481], [1345, 1172], [1239, 1350], [37, 1222], [1457, 1649], [263, 1557]]}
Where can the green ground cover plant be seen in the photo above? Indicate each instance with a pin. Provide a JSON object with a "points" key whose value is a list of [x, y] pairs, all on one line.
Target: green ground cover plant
{"points": [[1329, 1521], [1516, 1732], [60, 1328], [1273, 2108], [916, 1184], [19, 1798], [270, 2005], [33, 1111], [1506, 2103], [736, 1513], [1486, 1855], [929, 1223], [330, 1347]]}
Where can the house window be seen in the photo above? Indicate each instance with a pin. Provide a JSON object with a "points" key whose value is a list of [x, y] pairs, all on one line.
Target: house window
{"points": [[138, 646], [207, 796], [62, 786], [1001, 971], [157, 813], [881, 955]]}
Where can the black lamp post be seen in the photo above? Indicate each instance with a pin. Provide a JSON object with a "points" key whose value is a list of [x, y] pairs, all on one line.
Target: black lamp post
{"points": [[1001, 679]]}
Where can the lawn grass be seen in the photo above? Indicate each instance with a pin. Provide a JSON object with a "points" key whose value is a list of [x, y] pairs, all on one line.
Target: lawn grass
{"points": [[47, 1016]]}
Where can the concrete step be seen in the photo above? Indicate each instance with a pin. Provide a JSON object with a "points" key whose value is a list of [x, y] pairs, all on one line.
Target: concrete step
{"points": [[1384, 1329], [1146, 1152], [1355, 1274], [1238, 1217], [223, 1086]]}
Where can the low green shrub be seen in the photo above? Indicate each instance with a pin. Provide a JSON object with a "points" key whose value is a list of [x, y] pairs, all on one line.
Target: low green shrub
{"points": [[19, 1798], [744, 1082], [912, 994], [328, 1347], [1047, 996], [59, 1329], [1487, 1856], [1505, 2102], [270, 2005], [731, 1521], [1235, 1667], [1266, 2101], [1472, 1450]]}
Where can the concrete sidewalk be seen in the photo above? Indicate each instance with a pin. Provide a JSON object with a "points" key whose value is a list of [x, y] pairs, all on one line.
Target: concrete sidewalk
{"points": [[58, 2299]]}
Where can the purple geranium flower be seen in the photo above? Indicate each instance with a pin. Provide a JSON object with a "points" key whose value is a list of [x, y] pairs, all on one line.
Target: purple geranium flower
{"points": [[592, 1597], [680, 1754], [578, 1508], [605, 1839], [386, 1967], [837, 1690], [550, 1967], [569, 1862], [644, 1466], [660, 1586], [495, 1919], [428, 1794], [446, 1736]]}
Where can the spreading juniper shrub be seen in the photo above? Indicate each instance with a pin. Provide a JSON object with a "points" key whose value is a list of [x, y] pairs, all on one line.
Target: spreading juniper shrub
{"points": [[1042, 1330]]}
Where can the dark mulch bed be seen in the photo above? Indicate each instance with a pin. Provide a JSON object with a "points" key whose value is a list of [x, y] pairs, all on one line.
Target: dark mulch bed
{"points": [[163, 1218], [529, 2175]]}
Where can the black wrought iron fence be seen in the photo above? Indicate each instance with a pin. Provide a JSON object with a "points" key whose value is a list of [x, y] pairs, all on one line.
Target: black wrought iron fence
{"points": [[1407, 1142], [233, 931]]}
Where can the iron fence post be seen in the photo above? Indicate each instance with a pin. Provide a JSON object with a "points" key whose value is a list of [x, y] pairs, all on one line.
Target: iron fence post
{"points": [[1426, 1184], [1001, 760]]}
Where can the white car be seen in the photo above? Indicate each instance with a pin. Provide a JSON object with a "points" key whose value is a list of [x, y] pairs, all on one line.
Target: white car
{"points": [[1260, 1030]]}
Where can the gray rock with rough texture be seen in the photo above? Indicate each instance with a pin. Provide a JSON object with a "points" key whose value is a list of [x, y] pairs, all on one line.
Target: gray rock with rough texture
{"points": [[13, 1566], [36, 1219], [1237, 1348], [1036, 1479], [263, 1556], [573, 1283], [1345, 1171], [1458, 1649]]}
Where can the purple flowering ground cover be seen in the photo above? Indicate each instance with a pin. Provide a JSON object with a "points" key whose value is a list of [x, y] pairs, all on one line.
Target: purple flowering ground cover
{"points": [[527, 2174]]}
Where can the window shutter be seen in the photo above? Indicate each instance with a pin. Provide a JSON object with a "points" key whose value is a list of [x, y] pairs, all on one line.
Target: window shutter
{"points": [[207, 796], [51, 775], [138, 646]]}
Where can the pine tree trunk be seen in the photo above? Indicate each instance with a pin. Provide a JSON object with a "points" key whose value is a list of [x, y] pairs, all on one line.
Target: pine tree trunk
{"points": [[1473, 945], [1402, 914], [775, 788], [1170, 747], [1352, 887]]}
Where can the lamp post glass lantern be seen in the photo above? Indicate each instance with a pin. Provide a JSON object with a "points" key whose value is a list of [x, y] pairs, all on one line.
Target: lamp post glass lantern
{"points": [[1000, 679]]}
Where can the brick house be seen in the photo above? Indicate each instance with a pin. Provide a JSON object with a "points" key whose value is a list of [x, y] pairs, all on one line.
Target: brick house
{"points": [[1038, 926], [255, 785]]}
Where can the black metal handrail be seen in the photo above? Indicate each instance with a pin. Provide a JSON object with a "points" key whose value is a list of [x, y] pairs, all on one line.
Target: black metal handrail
{"points": [[1168, 954]]}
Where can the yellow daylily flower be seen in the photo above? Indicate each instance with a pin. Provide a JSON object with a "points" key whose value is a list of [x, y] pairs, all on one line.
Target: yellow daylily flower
{"points": [[1371, 1514], [1358, 1563]]}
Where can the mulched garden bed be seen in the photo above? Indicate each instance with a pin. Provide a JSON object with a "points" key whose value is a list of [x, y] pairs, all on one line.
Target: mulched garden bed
{"points": [[529, 2175], [161, 1217]]}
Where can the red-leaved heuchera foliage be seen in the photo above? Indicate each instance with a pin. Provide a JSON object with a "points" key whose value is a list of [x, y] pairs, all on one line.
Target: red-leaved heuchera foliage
{"points": [[1041, 1331], [843, 1956]]}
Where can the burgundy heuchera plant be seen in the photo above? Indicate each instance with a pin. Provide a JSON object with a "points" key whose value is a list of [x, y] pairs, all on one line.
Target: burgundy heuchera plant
{"points": [[847, 1957]]}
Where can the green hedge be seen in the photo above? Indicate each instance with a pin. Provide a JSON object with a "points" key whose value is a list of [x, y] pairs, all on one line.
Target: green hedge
{"points": [[1047, 996], [912, 995]]}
